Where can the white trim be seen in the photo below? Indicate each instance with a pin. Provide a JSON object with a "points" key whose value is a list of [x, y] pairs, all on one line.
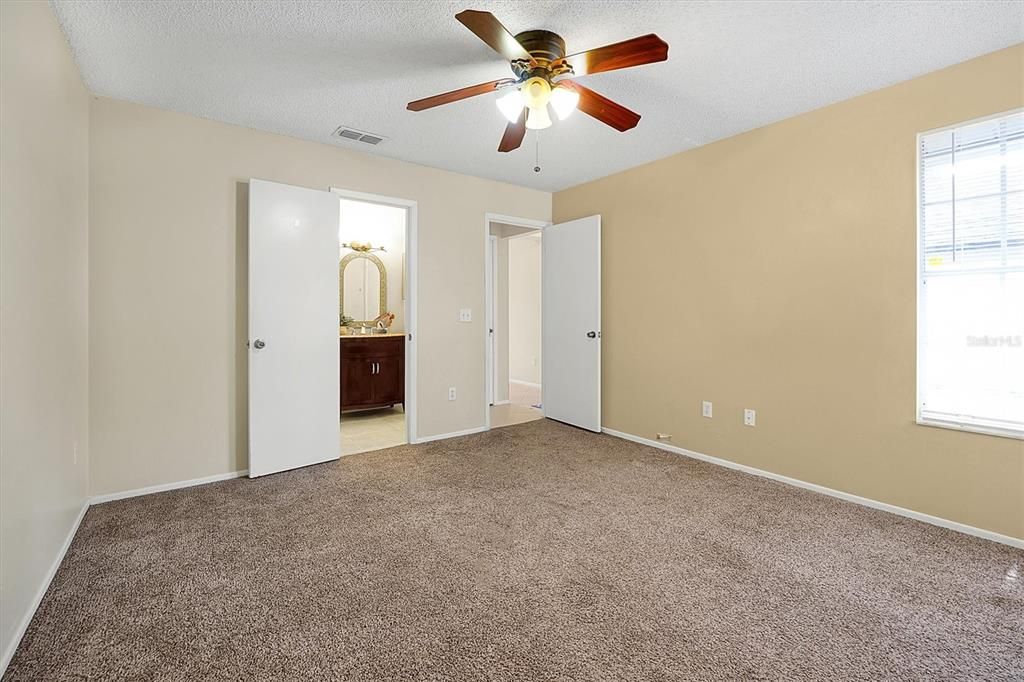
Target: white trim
{"points": [[513, 220], [163, 487], [528, 384], [411, 294], [971, 428], [491, 303], [502, 402], [455, 434], [490, 315], [19, 631], [856, 499]]}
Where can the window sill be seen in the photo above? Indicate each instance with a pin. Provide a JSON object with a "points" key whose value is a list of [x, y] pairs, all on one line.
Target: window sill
{"points": [[972, 428]]}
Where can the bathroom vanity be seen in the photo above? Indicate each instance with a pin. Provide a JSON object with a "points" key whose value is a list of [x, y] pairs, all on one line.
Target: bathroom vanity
{"points": [[372, 370]]}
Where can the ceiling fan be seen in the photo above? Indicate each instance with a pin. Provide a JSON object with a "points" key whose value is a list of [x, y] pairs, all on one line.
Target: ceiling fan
{"points": [[542, 71]]}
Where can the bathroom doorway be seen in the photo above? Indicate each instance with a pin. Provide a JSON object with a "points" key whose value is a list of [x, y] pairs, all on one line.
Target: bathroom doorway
{"points": [[375, 321], [514, 382]]}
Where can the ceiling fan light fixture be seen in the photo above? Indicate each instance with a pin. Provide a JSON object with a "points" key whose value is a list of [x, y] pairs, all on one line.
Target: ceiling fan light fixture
{"points": [[536, 57], [564, 101], [511, 104], [536, 92], [538, 118]]}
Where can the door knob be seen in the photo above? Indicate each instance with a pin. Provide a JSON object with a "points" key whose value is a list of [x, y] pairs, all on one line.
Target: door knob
{"points": [[258, 344], [591, 335]]}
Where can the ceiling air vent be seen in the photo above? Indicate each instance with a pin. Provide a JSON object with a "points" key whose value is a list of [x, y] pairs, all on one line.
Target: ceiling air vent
{"points": [[346, 133]]}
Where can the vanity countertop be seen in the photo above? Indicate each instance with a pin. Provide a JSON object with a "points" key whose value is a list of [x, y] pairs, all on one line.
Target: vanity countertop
{"points": [[370, 336]]}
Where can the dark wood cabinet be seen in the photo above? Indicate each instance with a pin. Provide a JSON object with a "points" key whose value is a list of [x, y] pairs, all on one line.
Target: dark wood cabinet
{"points": [[372, 371]]}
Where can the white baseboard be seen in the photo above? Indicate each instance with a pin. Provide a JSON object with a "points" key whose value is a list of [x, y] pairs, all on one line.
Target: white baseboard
{"points": [[524, 383], [149, 490], [856, 499], [453, 434], [19, 632]]}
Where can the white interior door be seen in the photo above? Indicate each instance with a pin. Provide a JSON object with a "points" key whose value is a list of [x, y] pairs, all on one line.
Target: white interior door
{"points": [[294, 397], [571, 322]]}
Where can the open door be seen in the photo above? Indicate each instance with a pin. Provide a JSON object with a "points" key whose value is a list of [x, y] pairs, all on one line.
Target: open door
{"points": [[571, 322], [294, 378]]}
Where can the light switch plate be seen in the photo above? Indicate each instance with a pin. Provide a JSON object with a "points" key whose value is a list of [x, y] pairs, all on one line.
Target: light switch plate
{"points": [[706, 409], [750, 417], [465, 315]]}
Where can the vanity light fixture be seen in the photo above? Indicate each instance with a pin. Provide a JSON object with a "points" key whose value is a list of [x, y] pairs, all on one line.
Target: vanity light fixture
{"points": [[363, 247]]}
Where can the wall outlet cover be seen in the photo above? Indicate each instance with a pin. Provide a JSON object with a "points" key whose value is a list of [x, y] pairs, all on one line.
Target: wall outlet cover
{"points": [[451, 393], [706, 409], [749, 417]]}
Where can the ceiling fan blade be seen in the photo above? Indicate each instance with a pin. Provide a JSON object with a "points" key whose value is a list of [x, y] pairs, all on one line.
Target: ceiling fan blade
{"points": [[603, 109], [456, 95], [635, 52], [488, 29], [514, 134]]}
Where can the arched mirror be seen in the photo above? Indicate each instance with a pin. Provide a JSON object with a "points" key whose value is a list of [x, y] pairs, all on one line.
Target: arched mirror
{"points": [[363, 287]]}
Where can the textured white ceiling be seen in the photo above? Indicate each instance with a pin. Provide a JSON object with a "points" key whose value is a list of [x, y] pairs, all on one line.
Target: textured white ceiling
{"points": [[305, 68]]}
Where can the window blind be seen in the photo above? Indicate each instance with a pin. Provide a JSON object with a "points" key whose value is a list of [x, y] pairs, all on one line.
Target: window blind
{"points": [[971, 300]]}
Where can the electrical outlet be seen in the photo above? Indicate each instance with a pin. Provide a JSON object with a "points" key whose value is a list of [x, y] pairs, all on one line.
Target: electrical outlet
{"points": [[706, 409], [465, 315], [664, 436], [749, 418], [451, 393]]}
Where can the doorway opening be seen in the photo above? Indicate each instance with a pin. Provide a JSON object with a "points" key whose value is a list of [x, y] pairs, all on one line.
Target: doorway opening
{"points": [[514, 381], [375, 322]]}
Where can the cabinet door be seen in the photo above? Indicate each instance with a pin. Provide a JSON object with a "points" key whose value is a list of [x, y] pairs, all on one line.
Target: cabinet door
{"points": [[389, 381], [357, 382]]}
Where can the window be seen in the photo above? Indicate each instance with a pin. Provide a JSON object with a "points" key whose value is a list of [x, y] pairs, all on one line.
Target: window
{"points": [[970, 315]]}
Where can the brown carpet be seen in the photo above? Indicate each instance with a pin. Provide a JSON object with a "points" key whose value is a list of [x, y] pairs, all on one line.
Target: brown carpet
{"points": [[534, 552]]}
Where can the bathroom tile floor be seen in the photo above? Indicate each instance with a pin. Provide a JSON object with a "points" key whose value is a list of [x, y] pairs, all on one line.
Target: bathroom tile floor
{"points": [[378, 429], [372, 430]]}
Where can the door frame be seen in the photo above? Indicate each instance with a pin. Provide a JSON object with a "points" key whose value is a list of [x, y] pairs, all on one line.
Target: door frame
{"points": [[411, 292], [491, 307], [490, 298]]}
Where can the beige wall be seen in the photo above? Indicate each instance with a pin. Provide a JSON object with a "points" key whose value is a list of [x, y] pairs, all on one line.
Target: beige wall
{"points": [[168, 284], [775, 270], [44, 156], [524, 309]]}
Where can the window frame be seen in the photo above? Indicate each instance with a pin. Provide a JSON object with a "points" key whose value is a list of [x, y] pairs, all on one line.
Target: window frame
{"points": [[969, 426]]}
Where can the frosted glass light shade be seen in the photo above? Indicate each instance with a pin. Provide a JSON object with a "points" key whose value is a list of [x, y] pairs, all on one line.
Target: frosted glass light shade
{"points": [[538, 118], [564, 101], [511, 104], [536, 92]]}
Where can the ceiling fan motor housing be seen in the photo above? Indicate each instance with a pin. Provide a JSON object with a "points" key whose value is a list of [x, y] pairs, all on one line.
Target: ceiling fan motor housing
{"points": [[545, 47]]}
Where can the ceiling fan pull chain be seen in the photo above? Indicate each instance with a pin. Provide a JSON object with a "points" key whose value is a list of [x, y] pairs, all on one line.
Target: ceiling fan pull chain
{"points": [[536, 156]]}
